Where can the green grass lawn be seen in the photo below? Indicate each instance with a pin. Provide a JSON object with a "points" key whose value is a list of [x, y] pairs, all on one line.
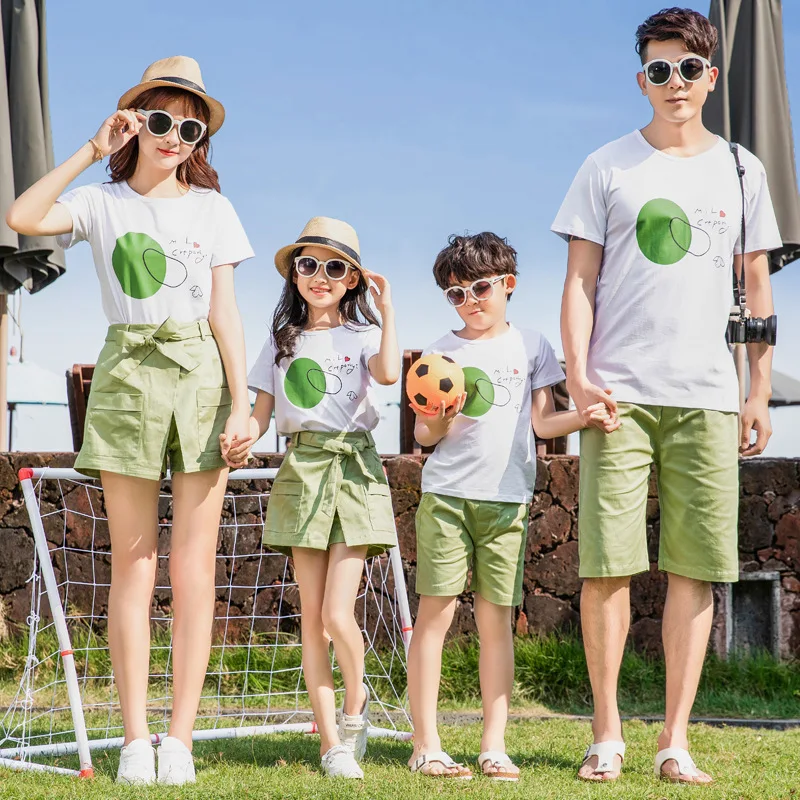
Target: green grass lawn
{"points": [[746, 764]]}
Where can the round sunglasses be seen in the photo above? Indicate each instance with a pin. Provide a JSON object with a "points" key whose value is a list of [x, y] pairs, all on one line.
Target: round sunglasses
{"points": [[690, 68], [160, 123], [335, 268], [481, 289]]}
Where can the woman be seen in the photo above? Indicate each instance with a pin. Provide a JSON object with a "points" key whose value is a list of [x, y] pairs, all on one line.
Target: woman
{"points": [[169, 380]]}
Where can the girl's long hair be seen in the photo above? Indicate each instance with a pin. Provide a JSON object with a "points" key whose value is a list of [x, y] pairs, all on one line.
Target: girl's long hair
{"points": [[196, 170], [291, 314]]}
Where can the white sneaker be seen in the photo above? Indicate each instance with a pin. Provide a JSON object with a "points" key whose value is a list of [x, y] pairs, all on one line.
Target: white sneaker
{"points": [[137, 763], [338, 762], [175, 762], [353, 729]]}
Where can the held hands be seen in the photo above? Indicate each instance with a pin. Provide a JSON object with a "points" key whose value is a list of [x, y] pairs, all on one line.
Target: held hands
{"points": [[381, 292], [587, 397], [237, 440], [117, 131]]}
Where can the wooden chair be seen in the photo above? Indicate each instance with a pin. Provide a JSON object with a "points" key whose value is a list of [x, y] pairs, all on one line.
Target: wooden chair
{"points": [[407, 416], [79, 381]]}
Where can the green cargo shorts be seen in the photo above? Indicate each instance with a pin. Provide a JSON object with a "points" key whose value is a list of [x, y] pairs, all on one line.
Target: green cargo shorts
{"points": [[696, 455], [330, 488], [159, 399], [452, 532]]}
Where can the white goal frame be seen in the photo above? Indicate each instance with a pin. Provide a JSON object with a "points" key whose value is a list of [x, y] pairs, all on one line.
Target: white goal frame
{"points": [[21, 756]]}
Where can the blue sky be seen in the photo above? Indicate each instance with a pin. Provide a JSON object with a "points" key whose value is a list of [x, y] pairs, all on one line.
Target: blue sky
{"points": [[409, 120]]}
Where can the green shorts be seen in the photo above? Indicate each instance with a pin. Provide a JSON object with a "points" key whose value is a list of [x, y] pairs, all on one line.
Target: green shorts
{"points": [[330, 488], [159, 399], [696, 455], [452, 532]]}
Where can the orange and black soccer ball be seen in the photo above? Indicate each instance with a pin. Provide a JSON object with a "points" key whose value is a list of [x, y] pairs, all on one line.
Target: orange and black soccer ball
{"points": [[432, 380]]}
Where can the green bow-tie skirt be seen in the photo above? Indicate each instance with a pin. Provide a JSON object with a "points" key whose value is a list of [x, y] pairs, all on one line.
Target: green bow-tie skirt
{"points": [[159, 399], [330, 488]]}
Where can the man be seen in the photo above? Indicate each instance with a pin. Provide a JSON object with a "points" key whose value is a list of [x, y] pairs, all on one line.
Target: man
{"points": [[653, 222]]}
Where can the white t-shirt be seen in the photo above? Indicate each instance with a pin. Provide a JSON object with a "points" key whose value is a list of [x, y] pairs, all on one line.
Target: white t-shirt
{"points": [[154, 255], [488, 452], [326, 385], [669, 227]]}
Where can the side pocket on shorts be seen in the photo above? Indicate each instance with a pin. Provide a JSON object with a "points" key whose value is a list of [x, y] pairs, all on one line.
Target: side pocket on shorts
{"points": [[113, 425], [283, 507], [379, 501], [213, 410]]}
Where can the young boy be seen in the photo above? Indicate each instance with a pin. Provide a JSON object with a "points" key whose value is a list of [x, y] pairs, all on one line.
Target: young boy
{"points": [[653, 222], [477, 486]]}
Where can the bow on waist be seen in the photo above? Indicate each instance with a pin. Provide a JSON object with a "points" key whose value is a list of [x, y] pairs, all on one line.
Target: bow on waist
{"points": [[136, 347], [340, 448]]}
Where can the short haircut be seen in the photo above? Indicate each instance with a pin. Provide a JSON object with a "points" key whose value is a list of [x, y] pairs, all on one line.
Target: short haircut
{"points": [[468, 258], [691, 27]]}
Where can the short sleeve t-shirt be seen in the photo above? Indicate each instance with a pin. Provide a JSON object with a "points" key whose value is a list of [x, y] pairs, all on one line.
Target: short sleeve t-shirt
{"points": [[326, 385], [154, 255], [488, 453], [669, 227]]}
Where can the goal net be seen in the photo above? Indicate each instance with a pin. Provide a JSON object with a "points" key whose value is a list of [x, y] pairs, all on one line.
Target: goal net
{"points": [[66, 705]]}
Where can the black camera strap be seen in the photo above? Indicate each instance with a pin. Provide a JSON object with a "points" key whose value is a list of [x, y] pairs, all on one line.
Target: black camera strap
{"points": [[739, 294]]}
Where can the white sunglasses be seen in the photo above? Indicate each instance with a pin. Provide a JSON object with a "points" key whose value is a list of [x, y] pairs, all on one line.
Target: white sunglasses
{"points": [[481, 289], [335, 268], [160, 123], [691, 68]]}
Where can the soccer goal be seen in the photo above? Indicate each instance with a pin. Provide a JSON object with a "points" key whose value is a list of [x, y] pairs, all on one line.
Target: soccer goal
{"points": [[66, 705]]}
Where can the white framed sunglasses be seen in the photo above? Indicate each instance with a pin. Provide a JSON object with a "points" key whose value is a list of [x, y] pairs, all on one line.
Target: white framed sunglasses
{"points": [[335, 268], [481, 289], [160, 123], [691, 68]]}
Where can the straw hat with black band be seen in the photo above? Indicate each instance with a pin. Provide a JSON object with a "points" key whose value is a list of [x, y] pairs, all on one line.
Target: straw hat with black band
{"points": [[331, 234], [177, 72]]}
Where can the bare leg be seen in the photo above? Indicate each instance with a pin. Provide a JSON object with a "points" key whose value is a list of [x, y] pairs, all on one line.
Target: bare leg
{"points": [[197, 504], [132, 508], [345, 568], [496, 672], [311, 571], [424, 674], [688, 615], [605, 619]]}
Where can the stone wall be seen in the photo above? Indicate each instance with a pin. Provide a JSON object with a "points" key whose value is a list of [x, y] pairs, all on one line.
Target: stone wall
{"points": [[769, 541]]}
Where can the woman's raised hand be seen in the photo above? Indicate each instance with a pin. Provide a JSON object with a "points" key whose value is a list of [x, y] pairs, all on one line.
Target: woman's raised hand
{"points": [[118, 130]]}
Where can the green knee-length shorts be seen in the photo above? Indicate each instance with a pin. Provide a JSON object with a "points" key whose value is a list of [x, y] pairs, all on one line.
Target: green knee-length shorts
{"points": [[330, 488], [159, 399]]}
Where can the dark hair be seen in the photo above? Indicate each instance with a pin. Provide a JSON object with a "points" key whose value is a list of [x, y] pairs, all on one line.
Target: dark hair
{"points": [[468, 258], [691, 27], [195, 171], [291, 314]]}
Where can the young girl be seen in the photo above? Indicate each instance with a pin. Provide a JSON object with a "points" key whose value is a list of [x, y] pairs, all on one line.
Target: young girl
{"points": [[170, 378], [330, 506]]}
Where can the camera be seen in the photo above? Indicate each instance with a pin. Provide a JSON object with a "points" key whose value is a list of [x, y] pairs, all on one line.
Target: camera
{"points": [[745, 330]]}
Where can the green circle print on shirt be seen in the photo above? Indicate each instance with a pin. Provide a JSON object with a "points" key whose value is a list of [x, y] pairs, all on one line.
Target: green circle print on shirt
{"points": [[663, 231], [304, 383], [480, 392], [139, 264]]}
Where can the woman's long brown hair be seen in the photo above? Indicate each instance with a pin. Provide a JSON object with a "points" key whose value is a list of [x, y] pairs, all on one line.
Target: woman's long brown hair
{"points": [[195, 171]]}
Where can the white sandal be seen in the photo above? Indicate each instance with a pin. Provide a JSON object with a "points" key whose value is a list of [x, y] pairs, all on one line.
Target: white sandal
{"points": [[605, 752], [440, 757], [501, 762], [681, 757]]}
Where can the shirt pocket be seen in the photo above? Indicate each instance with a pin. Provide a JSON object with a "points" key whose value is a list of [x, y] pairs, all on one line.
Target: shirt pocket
{"points": [[114, 425], [284, 507], [379, 503], [213, 410]]}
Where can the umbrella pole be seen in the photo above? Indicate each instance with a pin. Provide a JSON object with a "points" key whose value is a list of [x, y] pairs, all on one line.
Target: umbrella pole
{"points": [[3, 371], [740, 360]]}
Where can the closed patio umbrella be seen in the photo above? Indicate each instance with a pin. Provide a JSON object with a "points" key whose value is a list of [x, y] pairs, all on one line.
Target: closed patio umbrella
{"points": [[26, 153]]}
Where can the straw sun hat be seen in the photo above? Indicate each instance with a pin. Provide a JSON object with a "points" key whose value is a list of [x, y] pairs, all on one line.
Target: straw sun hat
{"points": [[177, 72], [332, 234]]}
